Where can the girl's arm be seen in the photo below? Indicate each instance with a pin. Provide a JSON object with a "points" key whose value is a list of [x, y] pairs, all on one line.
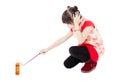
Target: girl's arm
{"points": [[57, 43], [81, 36]]}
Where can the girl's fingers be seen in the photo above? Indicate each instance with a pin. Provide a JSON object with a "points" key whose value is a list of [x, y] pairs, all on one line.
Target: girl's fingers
{"points": [[77, 14], [76, 17], [73, 16]]}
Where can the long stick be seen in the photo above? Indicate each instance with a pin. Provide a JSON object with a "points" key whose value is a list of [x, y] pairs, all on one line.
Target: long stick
{"points": [[30, 59]]}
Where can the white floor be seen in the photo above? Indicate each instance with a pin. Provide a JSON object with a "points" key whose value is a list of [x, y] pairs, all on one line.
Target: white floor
{"points": [[26, 26]]}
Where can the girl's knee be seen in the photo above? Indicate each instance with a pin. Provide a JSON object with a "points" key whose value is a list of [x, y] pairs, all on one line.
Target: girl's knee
{"points": [[67, 65], [71, 62]]}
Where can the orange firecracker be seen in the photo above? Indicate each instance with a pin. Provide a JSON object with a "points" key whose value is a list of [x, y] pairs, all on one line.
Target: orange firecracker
{"points": [[17, 68]]}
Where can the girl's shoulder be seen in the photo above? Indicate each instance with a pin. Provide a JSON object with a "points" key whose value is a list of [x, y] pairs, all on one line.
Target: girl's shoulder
{"points": [[86, 24]]}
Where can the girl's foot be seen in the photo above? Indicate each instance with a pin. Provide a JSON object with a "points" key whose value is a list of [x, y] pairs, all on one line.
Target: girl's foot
{"points": [[88, 66]]}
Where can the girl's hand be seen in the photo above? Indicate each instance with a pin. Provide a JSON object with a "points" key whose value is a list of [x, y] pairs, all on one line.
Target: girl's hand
{"points": [[43, 51], [76, 20]]}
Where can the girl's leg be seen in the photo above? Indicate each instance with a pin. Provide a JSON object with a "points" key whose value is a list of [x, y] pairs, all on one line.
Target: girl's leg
{"points": [[80, 52], [71, 62]]}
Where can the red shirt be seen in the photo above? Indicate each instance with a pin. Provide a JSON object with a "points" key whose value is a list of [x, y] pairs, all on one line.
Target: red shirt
{"points": [[90, 43]]}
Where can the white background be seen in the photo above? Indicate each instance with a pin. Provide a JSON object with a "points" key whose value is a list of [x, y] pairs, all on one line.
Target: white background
{"points": [[26, 26]]}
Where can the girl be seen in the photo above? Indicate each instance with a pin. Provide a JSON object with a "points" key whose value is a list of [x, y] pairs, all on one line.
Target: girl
{"points": [[90, 45]]}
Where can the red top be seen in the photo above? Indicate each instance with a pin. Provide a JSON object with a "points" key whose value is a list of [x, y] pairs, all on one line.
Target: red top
{"points": [[91, 49]]}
